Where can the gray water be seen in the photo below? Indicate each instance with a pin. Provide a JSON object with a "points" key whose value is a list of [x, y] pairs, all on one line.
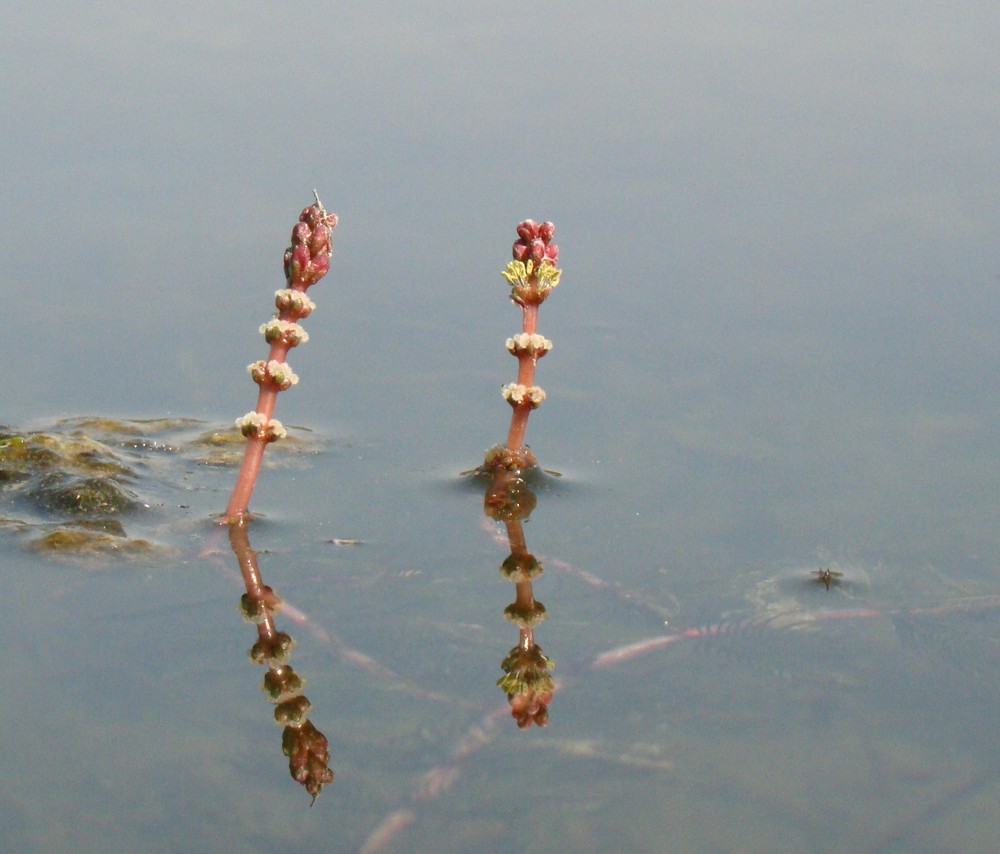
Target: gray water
{"points": [[774, 351]]}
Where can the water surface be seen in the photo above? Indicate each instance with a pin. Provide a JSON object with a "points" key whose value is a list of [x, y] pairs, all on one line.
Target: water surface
{"points": [[775, 344]]}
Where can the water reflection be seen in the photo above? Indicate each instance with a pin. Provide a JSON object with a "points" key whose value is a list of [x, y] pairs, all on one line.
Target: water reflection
{"points": [[527, 682], [305, 746]]}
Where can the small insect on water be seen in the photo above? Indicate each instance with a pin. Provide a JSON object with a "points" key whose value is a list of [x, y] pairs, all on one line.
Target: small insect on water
{"points": [[827, 576]]}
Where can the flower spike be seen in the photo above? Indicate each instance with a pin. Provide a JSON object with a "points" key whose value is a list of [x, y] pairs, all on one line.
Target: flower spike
{"points": [[532, 274], [306, 261]]}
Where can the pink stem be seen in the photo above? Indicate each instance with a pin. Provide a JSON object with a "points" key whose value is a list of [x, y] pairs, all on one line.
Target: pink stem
{"points": [[525, 376], [306, 261], [239, 500], [253, 456]]}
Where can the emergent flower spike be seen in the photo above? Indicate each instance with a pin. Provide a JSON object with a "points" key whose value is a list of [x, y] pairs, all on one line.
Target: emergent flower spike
{"points": [[306, 261]]}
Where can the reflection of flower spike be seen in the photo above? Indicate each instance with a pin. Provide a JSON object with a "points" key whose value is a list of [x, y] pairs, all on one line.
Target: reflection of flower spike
{"points": [[292, 712], [274, 649], [308, 756], [306, 747], [526, 670], [282, 684], [255, 609], [525, 616], [528, 684], [522, 567], [508, 498]]}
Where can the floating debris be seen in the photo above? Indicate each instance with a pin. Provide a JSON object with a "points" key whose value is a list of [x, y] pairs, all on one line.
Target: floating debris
{"points": [[827, 576]]}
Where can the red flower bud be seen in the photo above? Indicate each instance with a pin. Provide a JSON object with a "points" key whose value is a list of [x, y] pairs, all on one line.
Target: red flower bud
{"points": [[527, 230], [520, 251], [300, 233], [319, 268], [319, 241], [546, 230], [552, 253], [298, 264], [536, 252]]}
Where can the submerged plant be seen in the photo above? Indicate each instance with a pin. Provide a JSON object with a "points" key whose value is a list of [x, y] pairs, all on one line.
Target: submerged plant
{"points": [[306, 261], [532, 275]]}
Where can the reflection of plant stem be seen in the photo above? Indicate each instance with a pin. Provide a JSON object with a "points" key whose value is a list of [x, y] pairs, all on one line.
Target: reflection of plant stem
{"points": [[306, 262], [440, 778], [305, 746], [482, 731], [527, 681]]}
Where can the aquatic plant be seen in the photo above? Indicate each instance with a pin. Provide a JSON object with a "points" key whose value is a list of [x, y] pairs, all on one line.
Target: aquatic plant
{"points": [[73, 489], [306, 261], [532, 275]]}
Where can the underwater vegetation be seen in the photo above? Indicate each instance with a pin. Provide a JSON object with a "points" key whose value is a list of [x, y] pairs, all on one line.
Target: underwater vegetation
{"points": [[92, 487], [93, 491]]}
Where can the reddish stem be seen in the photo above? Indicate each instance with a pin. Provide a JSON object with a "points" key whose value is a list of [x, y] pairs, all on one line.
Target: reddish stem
{"points": [[529, 314], [306, 261], [239, 500], [518, 427], [253, 456], [525, 376]]}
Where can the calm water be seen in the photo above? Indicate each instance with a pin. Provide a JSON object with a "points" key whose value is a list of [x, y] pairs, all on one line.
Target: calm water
{"points": [[775, 351], [855, 719]]}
